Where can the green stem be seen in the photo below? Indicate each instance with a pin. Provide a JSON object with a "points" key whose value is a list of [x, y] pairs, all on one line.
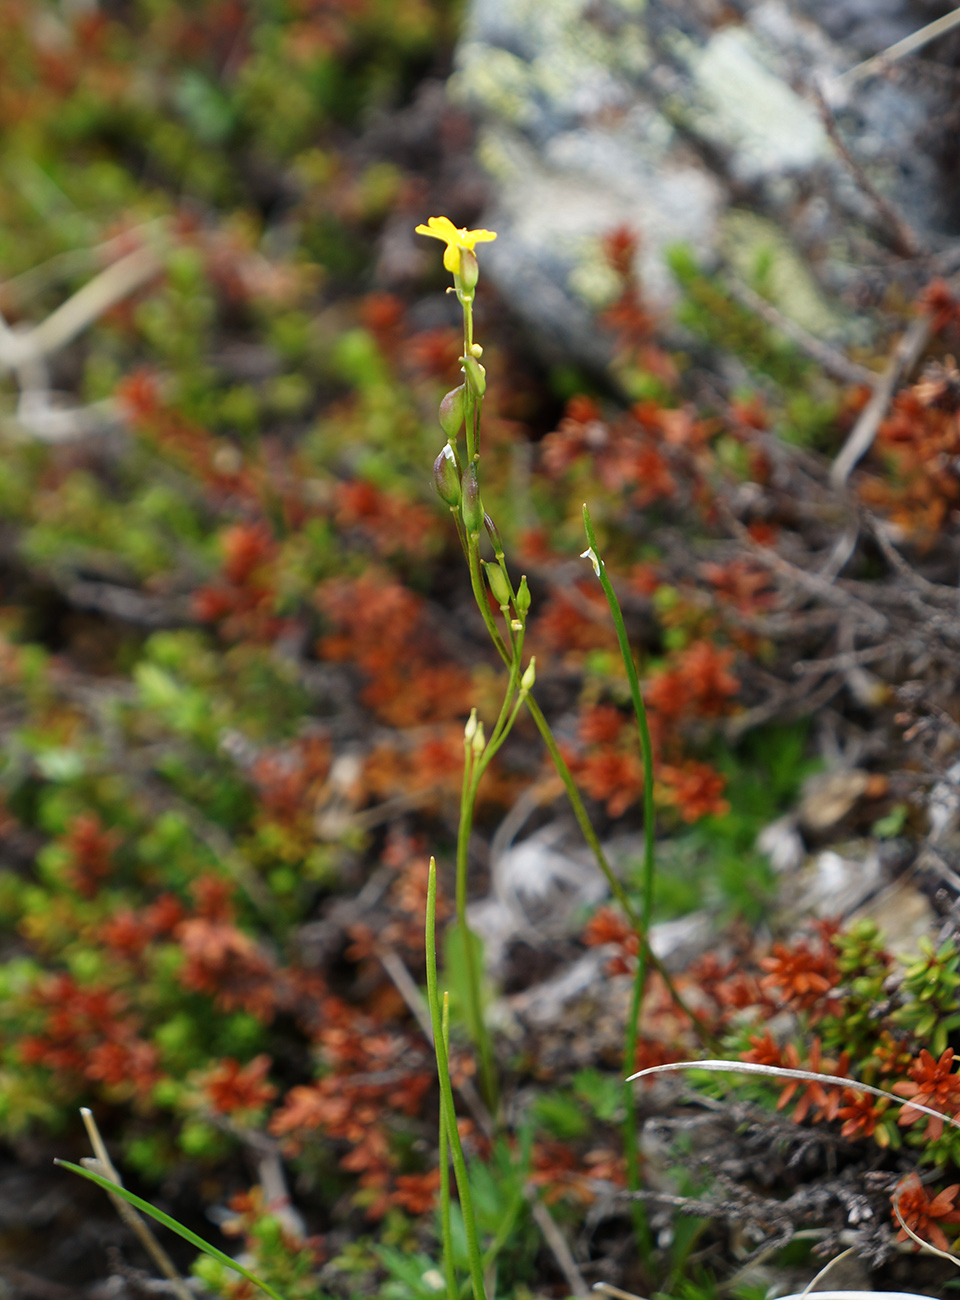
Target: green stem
{"points": [[590, 835], [646, 746], [449, 1267], [480, 596], [649, 871], [478, 1029], [447, 1109]]}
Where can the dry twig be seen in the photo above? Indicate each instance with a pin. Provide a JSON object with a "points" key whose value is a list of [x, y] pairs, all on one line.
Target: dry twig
{"points": [[904, 357]]}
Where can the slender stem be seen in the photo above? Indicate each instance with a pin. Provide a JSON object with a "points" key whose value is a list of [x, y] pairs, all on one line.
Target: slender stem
{"points": [[449, 1267], [478, 1029], [649, 871], [616, 888], [480, 596], [646, 746], [448, 1111]]}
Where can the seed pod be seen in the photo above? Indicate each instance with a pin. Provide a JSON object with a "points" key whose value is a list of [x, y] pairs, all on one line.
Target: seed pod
{"points": [[446, 476], [529, 676], [523, 597], [498, 583], [469, 269], [470, 730], [494, 534], [476, 375], [451, 412], [471, 507]]}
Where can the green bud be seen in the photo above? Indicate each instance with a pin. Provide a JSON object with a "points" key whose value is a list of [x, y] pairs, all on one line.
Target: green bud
{"points": [[470, 730], [471, 507], [469, 269], [478, 744], [452, 412], [494, 534], [476, 350], [476, 375], [523, 597], [498, 583], [529, 676], [446, 476]]}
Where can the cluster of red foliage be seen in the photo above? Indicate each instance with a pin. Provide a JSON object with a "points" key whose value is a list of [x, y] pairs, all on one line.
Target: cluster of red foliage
{"points": [[696, 682], [243, 599], [222, 960], [572, 621], [920, 439], [370, 1072], [290, 781], [407, 902], [384, 629], [391, 525], [632, 324], [803, 975], [215, 463], [648, 452], [932, 1084], [233, 1089], [90, 847], [564, 1175], [923, 1213], [89, 1033], [126, 933]]}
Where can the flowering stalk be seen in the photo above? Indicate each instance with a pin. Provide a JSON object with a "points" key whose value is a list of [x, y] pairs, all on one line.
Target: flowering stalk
{"points": [[459, 486]]}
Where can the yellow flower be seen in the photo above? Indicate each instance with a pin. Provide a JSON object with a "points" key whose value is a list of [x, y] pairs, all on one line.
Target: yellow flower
{"points": [[457, 241]]}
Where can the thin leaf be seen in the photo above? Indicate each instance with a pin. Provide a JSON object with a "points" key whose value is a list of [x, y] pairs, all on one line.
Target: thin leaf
{"points": [[783, 1072], [146, 1208]]}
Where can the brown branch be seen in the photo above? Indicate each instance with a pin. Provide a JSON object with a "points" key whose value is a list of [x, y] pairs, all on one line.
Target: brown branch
{"points": [[915, 41], [904, 357], [828, 358], [901, 236]]}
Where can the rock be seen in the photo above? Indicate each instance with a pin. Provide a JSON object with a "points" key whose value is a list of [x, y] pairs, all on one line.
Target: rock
{"points": [[687, 124], [537, 894], [782, 844], [833, 884], [904, 916], [830, 797]]}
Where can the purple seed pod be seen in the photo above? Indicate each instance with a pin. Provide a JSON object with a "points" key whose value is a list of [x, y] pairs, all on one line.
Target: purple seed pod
{"points": [[471, 507], [452, 412], [446, 476]]}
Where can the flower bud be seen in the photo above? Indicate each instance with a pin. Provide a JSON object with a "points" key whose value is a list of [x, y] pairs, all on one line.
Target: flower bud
{"points": [[469, 269], [498, 583], [478, 744], [470, 730], [476, 350], [494, 534], [523, 597], [471, 507], [451, 412], [476, 375], [529, 676], [446, 476]]}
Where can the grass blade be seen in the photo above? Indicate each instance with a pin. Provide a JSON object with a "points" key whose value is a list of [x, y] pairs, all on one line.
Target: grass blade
{"points": [[146, 1208]]}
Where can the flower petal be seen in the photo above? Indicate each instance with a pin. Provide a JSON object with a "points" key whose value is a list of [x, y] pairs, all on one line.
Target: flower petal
{"points": [[471, 237]]}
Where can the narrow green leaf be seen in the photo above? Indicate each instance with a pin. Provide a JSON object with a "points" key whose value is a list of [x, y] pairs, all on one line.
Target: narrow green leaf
{"points": [[146, 1208]]}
